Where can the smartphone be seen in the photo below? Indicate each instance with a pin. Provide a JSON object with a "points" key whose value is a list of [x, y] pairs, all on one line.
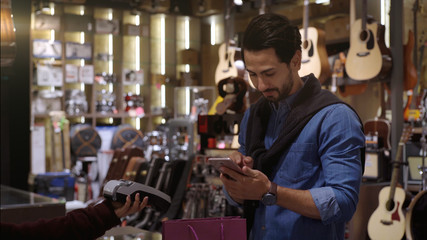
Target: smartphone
{"points": [[226, 162]]}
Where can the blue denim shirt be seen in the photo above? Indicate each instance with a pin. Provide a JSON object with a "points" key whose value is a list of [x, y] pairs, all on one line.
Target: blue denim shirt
{"points": [[325, 158]]}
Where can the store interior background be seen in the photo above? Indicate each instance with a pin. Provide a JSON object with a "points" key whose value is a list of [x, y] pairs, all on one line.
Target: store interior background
{"points": [[15, 87]]}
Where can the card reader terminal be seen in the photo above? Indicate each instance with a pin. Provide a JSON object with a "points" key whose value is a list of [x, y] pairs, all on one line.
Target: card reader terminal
{"points": [[118, 190]]}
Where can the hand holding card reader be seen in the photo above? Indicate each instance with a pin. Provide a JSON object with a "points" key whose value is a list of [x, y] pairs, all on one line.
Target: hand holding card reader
{"points": [[118, 190]]}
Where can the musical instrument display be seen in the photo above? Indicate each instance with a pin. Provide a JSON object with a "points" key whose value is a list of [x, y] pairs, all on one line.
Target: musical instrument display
{"points": [[314, 58], [416, 221], [388, 221], [228, 51], [364, 59]]}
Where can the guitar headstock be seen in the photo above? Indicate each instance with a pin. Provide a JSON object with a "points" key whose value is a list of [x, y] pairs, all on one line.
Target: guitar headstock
{"points": [[406, 134]]}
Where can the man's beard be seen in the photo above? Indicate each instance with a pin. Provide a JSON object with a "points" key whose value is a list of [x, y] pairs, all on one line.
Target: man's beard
{"points": [[283, 92]]}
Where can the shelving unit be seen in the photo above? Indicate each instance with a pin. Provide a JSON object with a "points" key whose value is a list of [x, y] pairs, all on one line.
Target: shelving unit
{"points": [[124, 65]]}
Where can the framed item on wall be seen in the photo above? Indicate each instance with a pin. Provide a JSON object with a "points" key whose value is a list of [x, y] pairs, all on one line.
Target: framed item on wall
{"points": [[48, 75], [43, 48], [78, 50]]}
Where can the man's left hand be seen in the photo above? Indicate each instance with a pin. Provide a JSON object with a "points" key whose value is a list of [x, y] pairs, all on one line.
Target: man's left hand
{"points": [[251, 186]]}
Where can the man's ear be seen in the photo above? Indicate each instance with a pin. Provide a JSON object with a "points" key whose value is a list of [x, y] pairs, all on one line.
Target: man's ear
{"points": [[296, 60]]}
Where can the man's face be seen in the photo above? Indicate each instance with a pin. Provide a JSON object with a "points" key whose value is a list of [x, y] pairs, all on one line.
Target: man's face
{"points": [[270, 76]]}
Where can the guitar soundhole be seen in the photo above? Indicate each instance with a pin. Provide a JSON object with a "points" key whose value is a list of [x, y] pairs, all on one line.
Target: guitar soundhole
{"points": [[389, 205], [363, 35], [308, 44], [305, 44]]}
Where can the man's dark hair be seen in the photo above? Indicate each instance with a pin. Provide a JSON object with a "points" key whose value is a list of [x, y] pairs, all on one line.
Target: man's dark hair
{"points": [[272, 31]]}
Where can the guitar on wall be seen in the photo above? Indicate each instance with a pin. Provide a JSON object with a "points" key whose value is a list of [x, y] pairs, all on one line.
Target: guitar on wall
{"points": [[380, 126], [350, 90], [226, 67], [314, 58], [230, 70], [387, 221], [364, 59]]}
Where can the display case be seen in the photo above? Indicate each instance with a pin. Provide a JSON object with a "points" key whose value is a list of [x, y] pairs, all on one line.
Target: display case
{"points": [[107, 66], [18, 206]]}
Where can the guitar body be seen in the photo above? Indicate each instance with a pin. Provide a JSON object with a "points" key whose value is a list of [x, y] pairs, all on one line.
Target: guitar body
{"points": [[377, 229], [409, 71], [416, 221], [382, 127], [226, 67], [364, 59], [314, 58], [352, 90]]}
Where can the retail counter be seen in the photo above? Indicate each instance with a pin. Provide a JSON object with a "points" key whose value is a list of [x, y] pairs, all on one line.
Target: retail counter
{"points": [[18, 206]]}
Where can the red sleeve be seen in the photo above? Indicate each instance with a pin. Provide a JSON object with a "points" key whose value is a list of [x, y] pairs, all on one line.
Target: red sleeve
{"points": [[86, 223]]}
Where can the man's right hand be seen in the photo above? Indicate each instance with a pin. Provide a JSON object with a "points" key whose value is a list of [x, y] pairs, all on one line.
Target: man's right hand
{"points": [[242, 160]]}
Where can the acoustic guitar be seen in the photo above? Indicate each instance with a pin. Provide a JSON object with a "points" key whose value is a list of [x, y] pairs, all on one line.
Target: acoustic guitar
{"points": [[228, 51], [353, 89], [226, 67], [364, 59], [314, 58], [350, 90], [416, 221], [387, 221], [380, 126]]}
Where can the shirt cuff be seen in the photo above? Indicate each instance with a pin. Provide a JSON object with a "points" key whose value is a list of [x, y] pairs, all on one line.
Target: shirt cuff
{"points": [[326, 203], [230, 200]]}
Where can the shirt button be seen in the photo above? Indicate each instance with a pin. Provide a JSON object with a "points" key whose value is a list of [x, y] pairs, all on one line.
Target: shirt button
{"points": [[263, 228]]}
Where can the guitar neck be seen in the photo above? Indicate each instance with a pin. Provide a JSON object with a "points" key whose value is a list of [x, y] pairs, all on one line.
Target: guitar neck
{"points": [[364, 14], [227, 19], [262, 8], [352, 12], [395, 173], [305, 19], [396, 166]]}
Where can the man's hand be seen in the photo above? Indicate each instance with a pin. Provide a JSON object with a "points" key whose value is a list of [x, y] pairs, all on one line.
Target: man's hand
{"points": [[242, 160], [240, 187], [129, 208]]}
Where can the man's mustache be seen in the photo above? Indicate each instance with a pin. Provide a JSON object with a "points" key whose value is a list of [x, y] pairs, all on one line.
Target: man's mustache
{"points": [[271, 90]]}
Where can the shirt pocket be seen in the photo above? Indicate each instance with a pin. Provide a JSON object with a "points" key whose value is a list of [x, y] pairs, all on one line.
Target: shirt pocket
{"points": [[300, 163]]}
